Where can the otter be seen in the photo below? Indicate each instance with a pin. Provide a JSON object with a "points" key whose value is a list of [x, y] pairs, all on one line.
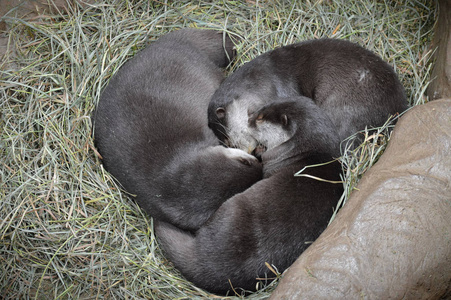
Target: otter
{"points": [[151, 129], [352, 85], [277, 218]]}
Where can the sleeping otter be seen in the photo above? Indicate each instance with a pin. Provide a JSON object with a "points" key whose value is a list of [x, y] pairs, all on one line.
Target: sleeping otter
{"points": [[352, 85], [274, 220], [151, 129]]}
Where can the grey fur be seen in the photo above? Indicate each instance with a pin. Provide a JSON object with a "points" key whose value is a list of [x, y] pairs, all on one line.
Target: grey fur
{"points": [[151, 129], [354, 87], [274, 220]]}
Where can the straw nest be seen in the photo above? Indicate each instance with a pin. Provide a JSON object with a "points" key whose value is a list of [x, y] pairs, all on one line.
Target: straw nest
{"points": [[67, 230]]}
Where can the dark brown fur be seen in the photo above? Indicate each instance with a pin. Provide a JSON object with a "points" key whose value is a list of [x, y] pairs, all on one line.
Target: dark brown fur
{"points": [[277, 218], [151, 129], [353, 86]]}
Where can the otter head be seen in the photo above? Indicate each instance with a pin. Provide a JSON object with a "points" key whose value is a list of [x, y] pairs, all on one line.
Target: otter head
{"points": [[271, 126], [292, 126], [245, 91], [230, 121]]}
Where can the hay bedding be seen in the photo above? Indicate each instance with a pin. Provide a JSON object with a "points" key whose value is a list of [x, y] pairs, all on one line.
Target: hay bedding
{"points": [[67, 231]]}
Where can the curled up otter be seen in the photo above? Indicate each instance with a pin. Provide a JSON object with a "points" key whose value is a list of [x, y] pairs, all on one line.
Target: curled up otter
{"points": [[277, 218], [151, 129], [353, 86]]}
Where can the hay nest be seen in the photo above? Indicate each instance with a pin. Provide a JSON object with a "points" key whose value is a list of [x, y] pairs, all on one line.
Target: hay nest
{"points": [[67, 231]]}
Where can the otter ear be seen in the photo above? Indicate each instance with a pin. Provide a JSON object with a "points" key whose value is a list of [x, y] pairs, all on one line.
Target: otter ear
{"points": [[220, 113]]}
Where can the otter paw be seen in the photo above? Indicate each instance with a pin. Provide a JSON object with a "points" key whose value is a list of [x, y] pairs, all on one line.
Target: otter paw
{"points": [[241, 156]]}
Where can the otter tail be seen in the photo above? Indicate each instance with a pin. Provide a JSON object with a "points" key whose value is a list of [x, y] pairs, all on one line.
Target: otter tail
{"points": [[178, 245]]}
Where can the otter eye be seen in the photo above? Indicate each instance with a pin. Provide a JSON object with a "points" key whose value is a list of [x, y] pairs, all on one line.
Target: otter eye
{"points": [[220, 112]]}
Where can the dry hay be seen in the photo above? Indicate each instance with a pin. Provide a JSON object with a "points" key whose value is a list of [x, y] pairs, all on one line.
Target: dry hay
{"points": [[66, 229]]}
